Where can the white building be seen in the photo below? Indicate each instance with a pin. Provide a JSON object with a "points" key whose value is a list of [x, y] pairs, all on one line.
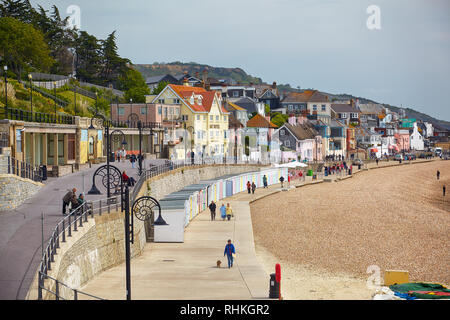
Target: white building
{"points": [[416, 139]]}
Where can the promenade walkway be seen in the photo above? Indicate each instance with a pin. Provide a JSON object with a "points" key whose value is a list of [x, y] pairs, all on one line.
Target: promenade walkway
{"points": [[21, 231], [180, 271]]}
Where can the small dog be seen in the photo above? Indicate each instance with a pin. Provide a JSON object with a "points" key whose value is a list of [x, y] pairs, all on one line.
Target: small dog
{"points": [[218, 263]]}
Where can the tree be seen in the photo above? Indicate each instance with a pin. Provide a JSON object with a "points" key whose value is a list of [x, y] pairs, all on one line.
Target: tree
{"points": [[88, 62], [278, 119], [22, 46], [160, 87], [134, 85], [112, 64]]}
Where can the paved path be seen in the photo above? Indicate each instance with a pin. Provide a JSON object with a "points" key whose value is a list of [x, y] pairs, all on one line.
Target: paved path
{"points": [[20, 229], [181, 271]]}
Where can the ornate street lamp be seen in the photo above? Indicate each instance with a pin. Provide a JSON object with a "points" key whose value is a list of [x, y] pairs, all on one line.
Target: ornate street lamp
{"points": [[54, 89], [31, 94], [5, 68]]}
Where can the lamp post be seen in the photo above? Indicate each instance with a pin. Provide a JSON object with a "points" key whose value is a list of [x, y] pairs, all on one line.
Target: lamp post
{"points": [[75, 99], [54, 90], [5, 68], [31, 94], [186, 129]]}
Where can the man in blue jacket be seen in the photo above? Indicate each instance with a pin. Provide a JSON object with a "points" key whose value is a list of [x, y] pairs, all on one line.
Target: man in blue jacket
{"points": [[229, 251]]}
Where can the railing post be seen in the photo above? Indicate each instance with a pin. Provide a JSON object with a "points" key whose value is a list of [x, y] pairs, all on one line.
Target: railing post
{"points": [[40, 285], [57, 289], [64, 230], [49, 263], [75, 294], [75, 224], [100, 208], [57, 236], [81, 217], [70, 227]]}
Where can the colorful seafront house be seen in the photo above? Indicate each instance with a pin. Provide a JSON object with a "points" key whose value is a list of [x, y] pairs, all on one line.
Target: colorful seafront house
{"points": [[258, 139], [299, 141], [310, 102], [204, 129]]}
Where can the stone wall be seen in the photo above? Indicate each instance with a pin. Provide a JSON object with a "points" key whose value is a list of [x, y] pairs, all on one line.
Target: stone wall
{"points": [[14, 190], [172, 181]]}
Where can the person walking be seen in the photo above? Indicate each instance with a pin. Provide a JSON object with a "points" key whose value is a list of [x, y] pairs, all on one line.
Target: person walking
{"points": [[377, 161], [265, 181], [223, 212], [253, 187], [249, 186], [438, 174], [68, 198], [281, 181], [132, 160], [229, 212], [229, 252], [212, 208], [443, 190]]}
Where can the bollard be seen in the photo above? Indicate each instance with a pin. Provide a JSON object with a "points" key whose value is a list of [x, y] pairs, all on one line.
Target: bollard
{"points": [[274, 290]]}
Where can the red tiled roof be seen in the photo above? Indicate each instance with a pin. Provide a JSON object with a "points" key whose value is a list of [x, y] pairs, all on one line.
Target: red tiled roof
{"points": [[186, 92], [258, 121]]}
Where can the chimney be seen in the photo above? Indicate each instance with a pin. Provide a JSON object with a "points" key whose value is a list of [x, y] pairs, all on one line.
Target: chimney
{"points": [[205, 76], [352, 102], [197, 75], [185, 83]]}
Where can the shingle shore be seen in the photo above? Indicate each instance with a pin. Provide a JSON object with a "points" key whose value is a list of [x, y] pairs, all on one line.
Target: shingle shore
{"points": [[395, 218]]}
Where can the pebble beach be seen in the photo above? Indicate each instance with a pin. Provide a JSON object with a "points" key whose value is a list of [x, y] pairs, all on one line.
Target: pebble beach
{"points": [[327, 235]]}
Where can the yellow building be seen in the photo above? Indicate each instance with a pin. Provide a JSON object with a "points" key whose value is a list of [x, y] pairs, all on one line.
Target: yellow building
{"points": [[205, 121]]}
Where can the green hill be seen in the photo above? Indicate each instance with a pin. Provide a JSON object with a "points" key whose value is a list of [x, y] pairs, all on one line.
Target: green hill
{"points": [[173, 68]]}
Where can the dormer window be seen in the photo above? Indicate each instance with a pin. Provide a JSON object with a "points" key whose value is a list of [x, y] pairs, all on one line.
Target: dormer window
{"points": [[192, 101], [200, 100]]}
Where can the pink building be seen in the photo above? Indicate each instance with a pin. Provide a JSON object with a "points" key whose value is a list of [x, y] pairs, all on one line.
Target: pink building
{"points": [[402, 140]]}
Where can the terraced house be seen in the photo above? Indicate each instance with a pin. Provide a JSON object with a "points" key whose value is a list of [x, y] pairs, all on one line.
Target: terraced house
{"points": [[204, 129], [308, 102]]}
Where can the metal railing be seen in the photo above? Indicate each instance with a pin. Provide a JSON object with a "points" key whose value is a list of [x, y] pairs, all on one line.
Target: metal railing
{"points": [[155, 170], [59, 101], [62, 231], [25, 115], [4, 140], [23, 169]]}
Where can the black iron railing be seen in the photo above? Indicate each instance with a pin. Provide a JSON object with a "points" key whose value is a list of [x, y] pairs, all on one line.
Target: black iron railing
{"points": [[24, 170], [28, 116], [62, 231]]}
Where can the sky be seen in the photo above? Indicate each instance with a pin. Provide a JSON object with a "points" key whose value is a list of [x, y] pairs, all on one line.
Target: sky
{"points": [[329, 45]]}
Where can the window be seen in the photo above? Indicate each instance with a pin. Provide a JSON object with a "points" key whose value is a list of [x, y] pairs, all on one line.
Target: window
{"points": [[121, 111], [354, 116], [161, 101], [235, 94], [287, 143], [18, 140], [198, 117], [210, 118], [217, 118], [143, 110], [324, 107], [282, 132], [159, 110], [224, 118], [184, 117], [314, 107], [176, 101], [343, 115], [204, 117], [290, 107]]}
